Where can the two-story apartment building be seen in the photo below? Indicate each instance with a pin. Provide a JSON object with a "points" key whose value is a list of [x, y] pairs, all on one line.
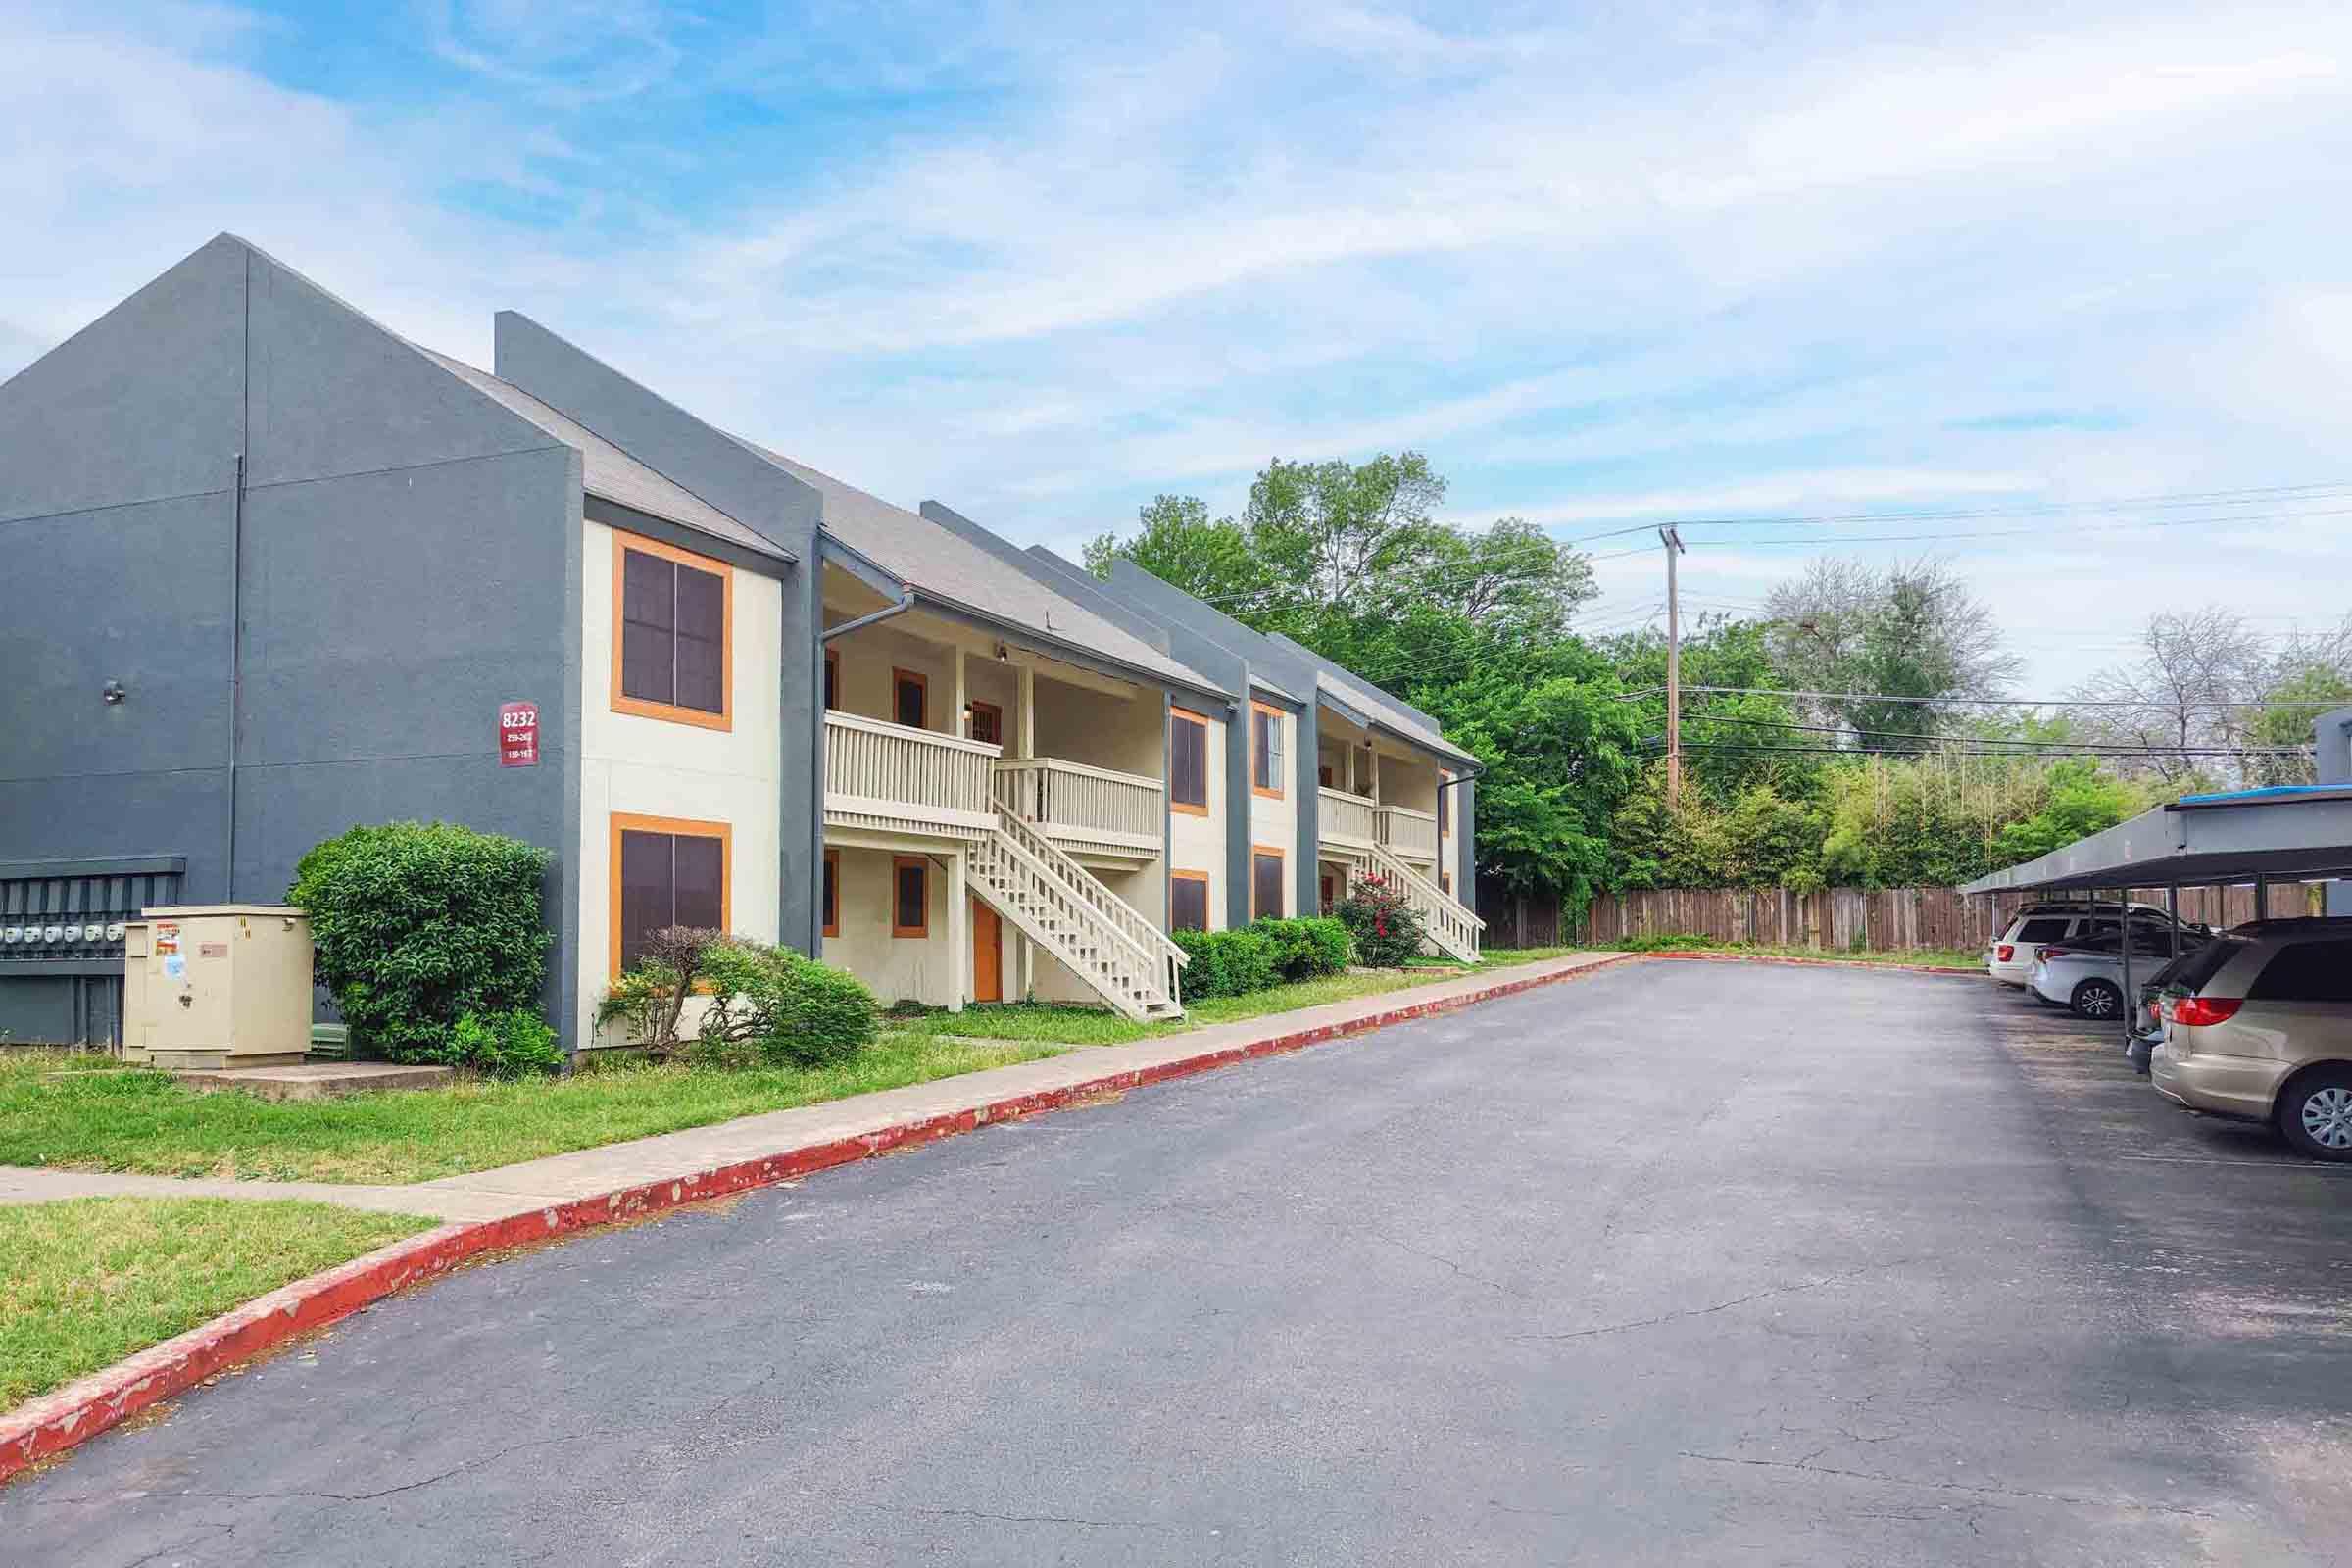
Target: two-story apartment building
{"points": [[271, 571]]}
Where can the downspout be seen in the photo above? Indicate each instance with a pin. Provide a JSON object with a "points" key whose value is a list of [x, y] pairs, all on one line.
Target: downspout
{"points": [[816, 749], [904, 602], [236, 673]]}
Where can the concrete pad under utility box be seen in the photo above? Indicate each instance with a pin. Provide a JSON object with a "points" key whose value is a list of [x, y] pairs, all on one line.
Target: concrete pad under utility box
{"points": [[319, 1080]]}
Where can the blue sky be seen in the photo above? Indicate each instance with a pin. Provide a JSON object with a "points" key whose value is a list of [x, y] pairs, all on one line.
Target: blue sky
{"points": [[1604, 265]]}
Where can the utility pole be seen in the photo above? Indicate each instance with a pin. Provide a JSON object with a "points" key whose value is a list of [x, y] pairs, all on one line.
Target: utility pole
{"points": [[1674, 672]]}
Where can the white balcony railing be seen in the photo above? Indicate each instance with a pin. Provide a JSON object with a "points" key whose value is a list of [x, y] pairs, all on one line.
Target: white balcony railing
{"points": [[890, 777], [1409, 832], [1345, 818], [1081, 806]]}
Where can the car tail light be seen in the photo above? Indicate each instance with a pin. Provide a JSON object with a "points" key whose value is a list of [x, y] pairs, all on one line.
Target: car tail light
{"points": [[2005, 953], [2054, 952], [2202, 1012]]}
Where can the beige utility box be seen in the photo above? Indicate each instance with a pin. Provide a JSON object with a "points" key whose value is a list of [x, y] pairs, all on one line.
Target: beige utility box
{"points": [[208, 986]]}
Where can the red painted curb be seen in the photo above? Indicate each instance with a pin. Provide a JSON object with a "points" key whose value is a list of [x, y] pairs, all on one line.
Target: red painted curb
{"points": [[80, 1411], [1712, 956]]}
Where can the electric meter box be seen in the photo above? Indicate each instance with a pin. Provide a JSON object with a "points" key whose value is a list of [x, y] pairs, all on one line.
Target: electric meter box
{"points": [[206, 986]]}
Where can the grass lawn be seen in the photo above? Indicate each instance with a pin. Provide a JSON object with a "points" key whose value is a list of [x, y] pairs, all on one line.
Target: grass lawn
{"points": [[86, 1282], [144, 1121]]}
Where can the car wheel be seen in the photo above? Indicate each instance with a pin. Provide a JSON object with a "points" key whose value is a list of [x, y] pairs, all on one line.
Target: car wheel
{"points": [[2098, 998], [2315, 1113]]}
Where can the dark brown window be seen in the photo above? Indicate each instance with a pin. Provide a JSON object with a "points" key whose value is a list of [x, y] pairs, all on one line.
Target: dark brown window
{"points": [[673, 633], [832, 678], [832, 893], [988, 723], [1265, 749], [665, 872], [909, 896], [1188, 900], [910, 699], [1265, 882], [1323, 775], [1188, 763]]}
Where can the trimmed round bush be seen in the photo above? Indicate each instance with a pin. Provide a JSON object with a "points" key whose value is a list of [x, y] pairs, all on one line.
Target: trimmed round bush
{"points": [[417, 924]]}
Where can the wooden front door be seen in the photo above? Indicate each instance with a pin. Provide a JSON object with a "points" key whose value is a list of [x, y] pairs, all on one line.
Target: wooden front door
{"points": [[988, 954]]}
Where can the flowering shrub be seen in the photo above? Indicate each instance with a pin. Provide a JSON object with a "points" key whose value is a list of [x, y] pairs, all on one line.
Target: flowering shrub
{"points": [[1386, 928]]}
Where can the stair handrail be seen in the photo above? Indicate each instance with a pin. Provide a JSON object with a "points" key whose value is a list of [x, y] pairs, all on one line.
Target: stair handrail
{"points": [[1114, 908], [1451, 910], [1070, 891]]}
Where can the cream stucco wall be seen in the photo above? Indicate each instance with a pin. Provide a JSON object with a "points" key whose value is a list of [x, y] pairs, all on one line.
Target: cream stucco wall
{"points": [[898, 969], [656, 768], [1274, 818], [1198, 843]]}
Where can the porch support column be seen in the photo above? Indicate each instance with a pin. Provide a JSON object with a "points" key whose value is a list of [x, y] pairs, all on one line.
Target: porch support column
{"points": [[961, 725], [960, 932], [1024, 740], [1025, 731]]}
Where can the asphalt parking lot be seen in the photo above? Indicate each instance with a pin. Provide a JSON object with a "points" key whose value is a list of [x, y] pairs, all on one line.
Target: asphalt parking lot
{"points": [[1679, 1262]]}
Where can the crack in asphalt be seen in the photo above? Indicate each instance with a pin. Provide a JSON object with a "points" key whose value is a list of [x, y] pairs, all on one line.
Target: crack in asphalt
{"points": [[1434, 1258], [1948, 1486], [1701, 1311], [1026, 1518]]}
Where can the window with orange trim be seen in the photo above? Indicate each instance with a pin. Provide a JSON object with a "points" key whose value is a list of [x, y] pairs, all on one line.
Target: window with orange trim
{"points": [[1265, 750], [1188, 763], [666, 872], [988, 723], [909, 896], [1188, 900], [910, 699], [832, 893], [1265, 881], [673, 633]]}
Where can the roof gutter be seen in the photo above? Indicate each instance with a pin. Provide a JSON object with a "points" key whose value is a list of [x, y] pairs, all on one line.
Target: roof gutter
{"points": [[863, 568]]}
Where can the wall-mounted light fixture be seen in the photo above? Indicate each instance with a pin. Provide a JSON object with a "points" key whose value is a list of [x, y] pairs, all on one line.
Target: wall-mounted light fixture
{"points": [[1003, 655], [112, 693]]}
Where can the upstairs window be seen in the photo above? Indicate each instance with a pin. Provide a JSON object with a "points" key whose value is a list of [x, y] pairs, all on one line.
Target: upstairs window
{"points": [[1265, 749], [910, 699], [674, 615], [988, 723], [1188, 763]]}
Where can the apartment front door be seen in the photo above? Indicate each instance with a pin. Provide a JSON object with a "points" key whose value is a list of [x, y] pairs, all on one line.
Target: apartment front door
{"points": [[988, 954]]}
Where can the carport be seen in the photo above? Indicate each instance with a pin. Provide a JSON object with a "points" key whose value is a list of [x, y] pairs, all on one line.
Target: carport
{"points": [[2286, 833]]}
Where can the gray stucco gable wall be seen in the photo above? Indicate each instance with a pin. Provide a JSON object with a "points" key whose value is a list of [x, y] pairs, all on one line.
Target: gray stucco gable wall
{"points": [[396, 558], [747, 487]]}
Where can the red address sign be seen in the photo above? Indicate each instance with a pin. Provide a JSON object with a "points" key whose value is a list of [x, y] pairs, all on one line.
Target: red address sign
{"points": [[518, 735]]}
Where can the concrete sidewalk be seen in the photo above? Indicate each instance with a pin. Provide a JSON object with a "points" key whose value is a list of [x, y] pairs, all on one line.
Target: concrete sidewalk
{"points": [[562, 1179]]}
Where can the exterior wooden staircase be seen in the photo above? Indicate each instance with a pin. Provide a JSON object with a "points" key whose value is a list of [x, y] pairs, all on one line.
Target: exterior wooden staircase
{"points": [[1451, 925], [1063, 909]]}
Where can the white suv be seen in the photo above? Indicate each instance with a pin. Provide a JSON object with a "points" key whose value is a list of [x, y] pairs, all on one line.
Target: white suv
{"points": [[2010, 959], [2259, 1025]]}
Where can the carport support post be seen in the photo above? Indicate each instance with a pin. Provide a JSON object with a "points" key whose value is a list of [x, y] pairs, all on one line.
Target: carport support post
{"points": [[2130, 996], [2172, 908], [2261, 897]]}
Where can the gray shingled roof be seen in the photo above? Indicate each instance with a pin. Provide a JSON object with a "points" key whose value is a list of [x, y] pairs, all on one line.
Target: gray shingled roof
{"points": [[942, 564], [1372, 701], [608, 471]]}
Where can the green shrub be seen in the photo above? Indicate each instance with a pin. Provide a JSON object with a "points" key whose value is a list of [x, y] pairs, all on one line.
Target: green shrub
{"points": [[1308, 948], [1668, 942], [417, 924], [516, 1043], [784, 1007], [1228, 963], [1387, 930], [770, 1006]]}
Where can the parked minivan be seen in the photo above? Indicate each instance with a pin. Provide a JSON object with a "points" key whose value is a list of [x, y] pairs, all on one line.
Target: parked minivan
{"points": [[2259, 1025], [2010, 957]]}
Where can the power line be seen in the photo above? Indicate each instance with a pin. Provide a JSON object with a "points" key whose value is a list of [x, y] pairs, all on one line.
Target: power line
{"points": [[1987, 702], [1872, 733], [2165, 499]]}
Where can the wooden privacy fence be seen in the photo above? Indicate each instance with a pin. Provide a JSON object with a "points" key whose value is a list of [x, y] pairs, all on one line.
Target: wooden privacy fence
{"points": [[1881, 919]]}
